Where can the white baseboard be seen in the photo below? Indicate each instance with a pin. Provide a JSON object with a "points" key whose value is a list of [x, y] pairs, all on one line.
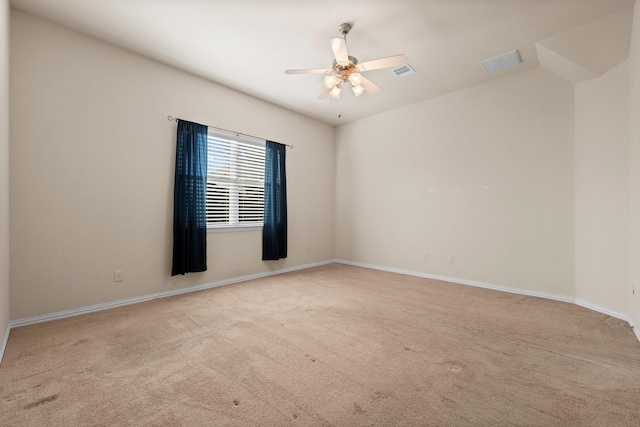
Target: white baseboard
{"points": [[635, 329], [113, 304], [555, 297], [4, 342], [463, 281], [612, 313], [105, 306]]}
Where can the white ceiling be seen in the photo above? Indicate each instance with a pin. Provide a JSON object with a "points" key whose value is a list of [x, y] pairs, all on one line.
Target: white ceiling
{"points": [[247, 44]]}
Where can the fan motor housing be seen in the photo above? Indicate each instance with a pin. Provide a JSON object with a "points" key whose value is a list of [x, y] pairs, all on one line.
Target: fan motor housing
{"points": [[345, 71]]}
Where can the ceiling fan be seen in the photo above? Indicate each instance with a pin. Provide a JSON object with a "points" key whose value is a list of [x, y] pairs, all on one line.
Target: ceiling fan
{"points": [[346, 69]]}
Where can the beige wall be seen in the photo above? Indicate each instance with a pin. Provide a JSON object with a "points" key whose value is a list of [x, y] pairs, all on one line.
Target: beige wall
{"points": [[484, 175], [92, 159], [634, 73], [4, 168], [602, 190]]}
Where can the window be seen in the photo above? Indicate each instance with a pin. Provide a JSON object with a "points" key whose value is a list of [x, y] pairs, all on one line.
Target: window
{"points": [[235, 181]]}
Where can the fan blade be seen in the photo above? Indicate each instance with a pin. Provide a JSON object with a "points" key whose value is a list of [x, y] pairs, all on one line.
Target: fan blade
{"points": [[313, 71], [369, 86], [392, 61], [324, 93], [339, 48]]}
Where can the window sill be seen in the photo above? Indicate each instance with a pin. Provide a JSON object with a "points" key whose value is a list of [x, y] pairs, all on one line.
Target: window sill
{"points": [[226, 229]]}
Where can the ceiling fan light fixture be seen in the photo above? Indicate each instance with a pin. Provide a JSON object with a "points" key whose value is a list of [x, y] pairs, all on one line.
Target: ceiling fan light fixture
{"points": [[345, 69], [331, 81], [357, 90]]}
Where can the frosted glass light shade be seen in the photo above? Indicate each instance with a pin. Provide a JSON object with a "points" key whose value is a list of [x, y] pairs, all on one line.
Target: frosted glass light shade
{"points": [[355, 79], [357, 90], [331, 81], [335, 92]]}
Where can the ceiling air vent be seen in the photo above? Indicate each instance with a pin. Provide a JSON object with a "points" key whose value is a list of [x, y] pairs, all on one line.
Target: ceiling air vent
{"points": [[501, 62], [404, 71]]}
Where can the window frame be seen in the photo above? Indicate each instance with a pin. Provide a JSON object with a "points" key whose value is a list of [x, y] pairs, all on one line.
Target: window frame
{"points": [[233, 138]]}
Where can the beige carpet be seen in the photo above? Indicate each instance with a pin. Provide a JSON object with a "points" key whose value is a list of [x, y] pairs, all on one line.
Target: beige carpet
{"points": [[334, 345]]}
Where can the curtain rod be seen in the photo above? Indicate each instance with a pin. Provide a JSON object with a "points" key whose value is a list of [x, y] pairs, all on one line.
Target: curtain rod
{"points": [[171, 119]]}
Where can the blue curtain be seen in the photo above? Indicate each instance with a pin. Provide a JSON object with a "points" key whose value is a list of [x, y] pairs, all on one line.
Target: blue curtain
{"points": [[189, 197], [274, 231]]}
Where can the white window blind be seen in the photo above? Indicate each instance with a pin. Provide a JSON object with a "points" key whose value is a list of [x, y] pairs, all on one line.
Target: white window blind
{"points": [[235, 181]]}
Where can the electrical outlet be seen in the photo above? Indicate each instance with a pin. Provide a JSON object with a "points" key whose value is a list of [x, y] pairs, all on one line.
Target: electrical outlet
{"points": [[425, 256], [308, 250], [451, 258], [118, 275]]}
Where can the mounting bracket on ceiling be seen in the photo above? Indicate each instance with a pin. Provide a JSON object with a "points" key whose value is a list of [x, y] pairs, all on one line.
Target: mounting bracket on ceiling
{"points": [[344, 29]]}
